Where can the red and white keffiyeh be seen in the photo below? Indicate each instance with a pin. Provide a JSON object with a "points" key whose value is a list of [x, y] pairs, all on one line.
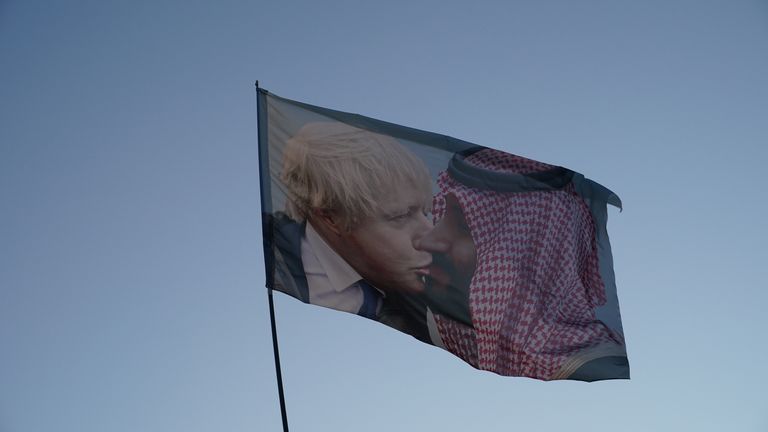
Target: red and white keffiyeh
{"points": [[533, 295]]}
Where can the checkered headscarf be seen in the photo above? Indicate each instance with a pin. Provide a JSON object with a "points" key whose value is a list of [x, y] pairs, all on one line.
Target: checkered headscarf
{"points": [[533, 295]]}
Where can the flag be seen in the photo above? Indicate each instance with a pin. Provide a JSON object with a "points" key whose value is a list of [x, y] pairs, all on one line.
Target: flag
{"points": [[501, 260]]}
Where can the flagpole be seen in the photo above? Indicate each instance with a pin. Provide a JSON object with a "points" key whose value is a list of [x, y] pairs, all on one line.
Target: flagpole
{"points": [[278, 372], [277, 361]]}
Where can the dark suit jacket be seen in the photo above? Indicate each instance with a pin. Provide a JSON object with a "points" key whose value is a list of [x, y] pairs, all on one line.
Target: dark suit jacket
{"points": [[288, 269]]}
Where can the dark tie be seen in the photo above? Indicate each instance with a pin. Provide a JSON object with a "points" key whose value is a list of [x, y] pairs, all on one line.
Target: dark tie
{"points": [[370, 300]]}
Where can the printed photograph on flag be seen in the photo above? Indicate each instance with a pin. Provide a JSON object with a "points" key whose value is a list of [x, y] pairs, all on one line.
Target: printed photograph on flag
{"points": [[501, 260]]}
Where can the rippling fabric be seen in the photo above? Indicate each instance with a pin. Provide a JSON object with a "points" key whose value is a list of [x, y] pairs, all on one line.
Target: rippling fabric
{"points": [[536, 285]]}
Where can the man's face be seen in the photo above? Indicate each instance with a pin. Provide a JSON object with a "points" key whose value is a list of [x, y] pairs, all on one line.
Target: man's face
{"points": [[381, 247], [454, 257]]}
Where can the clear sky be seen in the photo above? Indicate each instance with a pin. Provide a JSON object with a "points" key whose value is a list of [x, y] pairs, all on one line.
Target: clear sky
{"points": [[131, 276]]}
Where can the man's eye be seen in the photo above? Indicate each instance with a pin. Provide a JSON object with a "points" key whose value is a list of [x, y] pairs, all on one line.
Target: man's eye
{"points": [[402, 216]]}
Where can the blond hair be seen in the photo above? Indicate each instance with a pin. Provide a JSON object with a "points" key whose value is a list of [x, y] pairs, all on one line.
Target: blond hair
{"points": [[337, 167]]}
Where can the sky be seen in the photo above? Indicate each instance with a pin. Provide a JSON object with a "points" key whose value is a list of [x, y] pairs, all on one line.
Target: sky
{"points": [[131, 272]]}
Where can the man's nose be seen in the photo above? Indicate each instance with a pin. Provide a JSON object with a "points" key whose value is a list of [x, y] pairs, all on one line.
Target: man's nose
{"points": [[432, 241], [422, 228], [424, 225]]}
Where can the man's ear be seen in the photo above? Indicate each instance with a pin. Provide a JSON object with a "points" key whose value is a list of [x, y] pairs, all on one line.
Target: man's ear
{"points": [[329, 219]]}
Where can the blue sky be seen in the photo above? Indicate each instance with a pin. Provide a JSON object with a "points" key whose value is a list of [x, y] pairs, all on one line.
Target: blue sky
{"points": [[131, 277]]}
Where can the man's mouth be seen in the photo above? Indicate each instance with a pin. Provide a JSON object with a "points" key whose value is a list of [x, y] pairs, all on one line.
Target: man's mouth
{"points": [[423, 273], [437, 276]]}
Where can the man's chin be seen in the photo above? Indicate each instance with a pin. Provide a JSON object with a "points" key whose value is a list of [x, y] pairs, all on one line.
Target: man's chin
{"points": [[409, 287], [412, 287], [436, 288]]}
